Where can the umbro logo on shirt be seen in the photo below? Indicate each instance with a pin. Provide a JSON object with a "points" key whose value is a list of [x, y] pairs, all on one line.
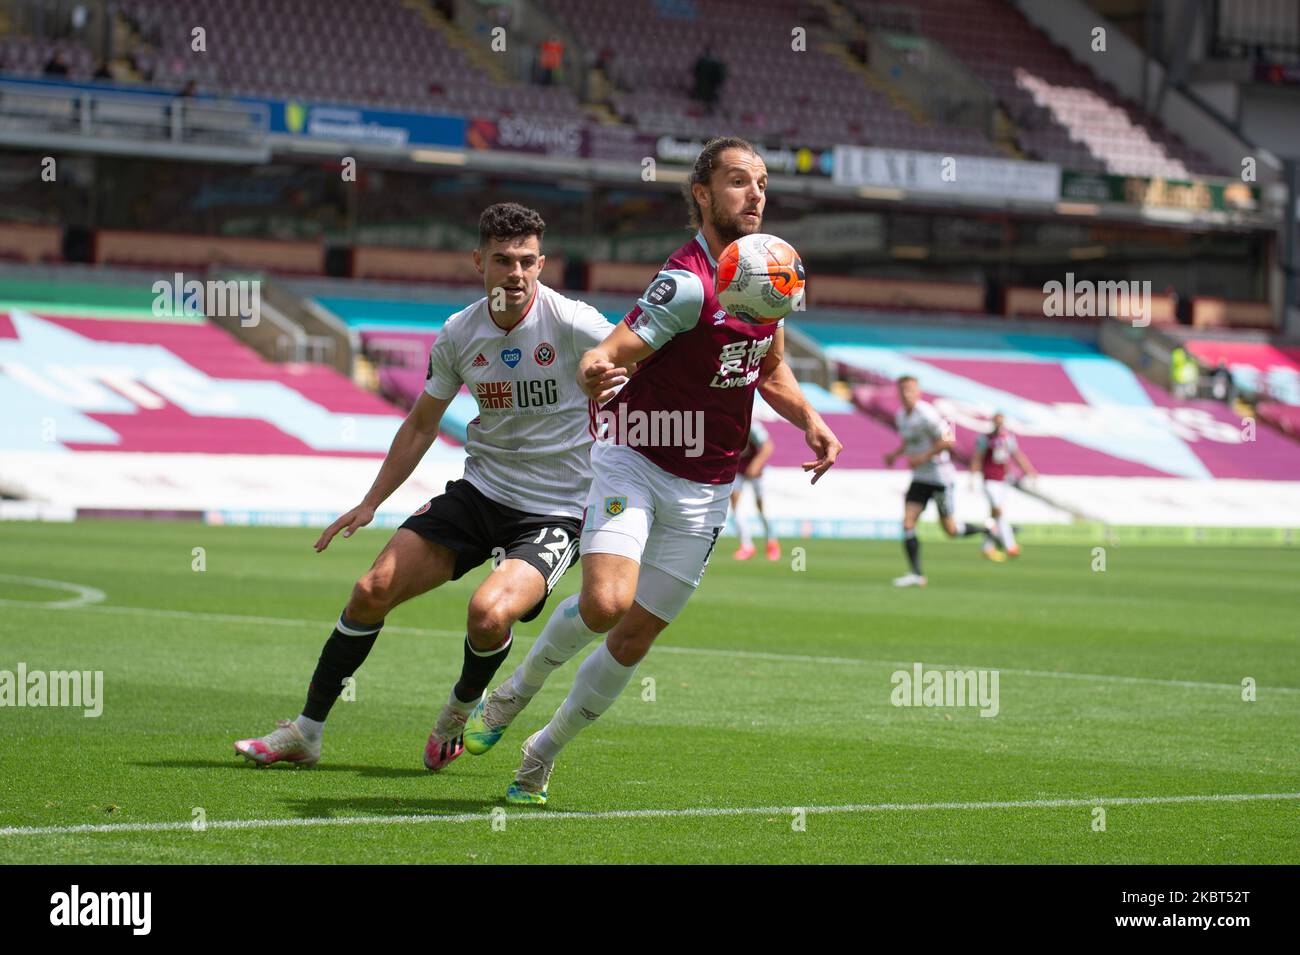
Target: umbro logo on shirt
{"points": [[480, 362], [719, 316]]}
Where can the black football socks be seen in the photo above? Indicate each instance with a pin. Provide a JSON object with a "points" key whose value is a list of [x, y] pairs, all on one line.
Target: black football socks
{"points": [[913, 548], [479, 668], [344, 652]]}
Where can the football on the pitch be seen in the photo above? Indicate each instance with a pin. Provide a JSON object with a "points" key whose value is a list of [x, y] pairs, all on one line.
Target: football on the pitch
{"points": [[760, 278]]}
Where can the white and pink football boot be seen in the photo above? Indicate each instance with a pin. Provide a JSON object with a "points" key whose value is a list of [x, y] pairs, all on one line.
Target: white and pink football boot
{"points": [[283, 744], [446, 742]]}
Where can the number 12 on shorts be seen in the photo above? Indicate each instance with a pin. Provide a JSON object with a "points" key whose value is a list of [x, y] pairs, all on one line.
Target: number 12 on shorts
{"points": [[554, 550]]}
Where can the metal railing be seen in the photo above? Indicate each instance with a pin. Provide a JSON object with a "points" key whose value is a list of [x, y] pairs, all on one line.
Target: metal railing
{"points": [[99, 116]]}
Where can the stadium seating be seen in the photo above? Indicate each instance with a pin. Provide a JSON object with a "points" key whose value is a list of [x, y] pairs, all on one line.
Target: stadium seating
{"points": [[385, 53], [1076, 411], [27, 56], [1260, 371], [174, 386], [1065, 113], [818, 102], [380, 52]]}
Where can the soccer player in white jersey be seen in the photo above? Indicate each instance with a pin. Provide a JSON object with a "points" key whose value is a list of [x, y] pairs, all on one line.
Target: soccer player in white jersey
{"points": [[655, 508], [520, 501], [750, 474], [993, 454], [926, 440]]}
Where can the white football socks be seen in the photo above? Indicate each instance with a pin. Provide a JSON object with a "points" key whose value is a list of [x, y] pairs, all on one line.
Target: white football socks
{"points": [[564, 635], [313, 730], [598, 684], [459, 705], [1006, 533], [746, 538]]}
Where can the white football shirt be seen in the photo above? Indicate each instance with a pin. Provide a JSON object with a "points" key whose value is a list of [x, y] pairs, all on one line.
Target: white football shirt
{"points": [[529, 448], [920, 429]]}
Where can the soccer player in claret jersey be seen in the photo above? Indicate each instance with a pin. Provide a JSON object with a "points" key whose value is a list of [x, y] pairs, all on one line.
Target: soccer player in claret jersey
{"points": [[993, 451], [654, 510], [526, 476], [749, 472], [926, 440]]}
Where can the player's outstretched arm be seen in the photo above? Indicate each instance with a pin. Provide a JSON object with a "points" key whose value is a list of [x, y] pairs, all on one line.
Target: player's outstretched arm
{"points": [[781, 391], [413, 439], [604, 369], [976, 463], [1025, 466]]}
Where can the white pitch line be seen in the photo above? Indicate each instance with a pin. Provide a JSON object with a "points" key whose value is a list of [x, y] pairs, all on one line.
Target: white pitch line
{"points": [[697, 813], [697, 651], [85, 595]]}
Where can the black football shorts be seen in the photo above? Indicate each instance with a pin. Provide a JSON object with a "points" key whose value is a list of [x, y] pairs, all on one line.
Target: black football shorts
{"points": [[922, 492], [476, 529]]}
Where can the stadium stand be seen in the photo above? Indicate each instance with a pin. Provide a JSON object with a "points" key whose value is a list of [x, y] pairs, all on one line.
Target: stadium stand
{"points": [[388, 53], [139, 384], [822, 101], [1064, 112], [1077, 411], [28, 56], [382, 52], [1260, 371]]}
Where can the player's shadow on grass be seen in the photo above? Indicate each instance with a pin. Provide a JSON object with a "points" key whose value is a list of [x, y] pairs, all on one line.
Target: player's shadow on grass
{"points": [[241, 765], [387, 806]]}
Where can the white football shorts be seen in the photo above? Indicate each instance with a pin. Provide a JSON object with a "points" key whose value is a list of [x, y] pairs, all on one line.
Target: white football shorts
{"points": [[996, 492], [667, 524]]}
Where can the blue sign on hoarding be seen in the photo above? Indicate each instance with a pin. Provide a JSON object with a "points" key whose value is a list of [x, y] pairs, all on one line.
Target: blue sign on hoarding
{"points": [[355, 124]]}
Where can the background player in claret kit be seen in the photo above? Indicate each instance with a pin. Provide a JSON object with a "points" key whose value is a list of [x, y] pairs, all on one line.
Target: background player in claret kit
{"points": [[526, 476], [749, 472], [926, 440], [992, 452], [654, 512]]}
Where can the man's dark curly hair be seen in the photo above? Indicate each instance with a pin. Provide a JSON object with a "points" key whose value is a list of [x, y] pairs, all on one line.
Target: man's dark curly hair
{"points": [[508, 220]]}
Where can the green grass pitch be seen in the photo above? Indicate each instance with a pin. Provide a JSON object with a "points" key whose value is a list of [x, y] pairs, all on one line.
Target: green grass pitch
{"points": [[771, 693]]}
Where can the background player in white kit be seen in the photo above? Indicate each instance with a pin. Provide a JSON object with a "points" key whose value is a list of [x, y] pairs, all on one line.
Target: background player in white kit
{"points": [[926, 440], [750, 474], [526, 476], [993, 453]]}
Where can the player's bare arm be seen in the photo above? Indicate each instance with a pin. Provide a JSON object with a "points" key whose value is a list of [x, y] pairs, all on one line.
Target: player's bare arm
{"points": [[604, 368], [761, 457], [781, 391], [1030, 471], [410, 444]]}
